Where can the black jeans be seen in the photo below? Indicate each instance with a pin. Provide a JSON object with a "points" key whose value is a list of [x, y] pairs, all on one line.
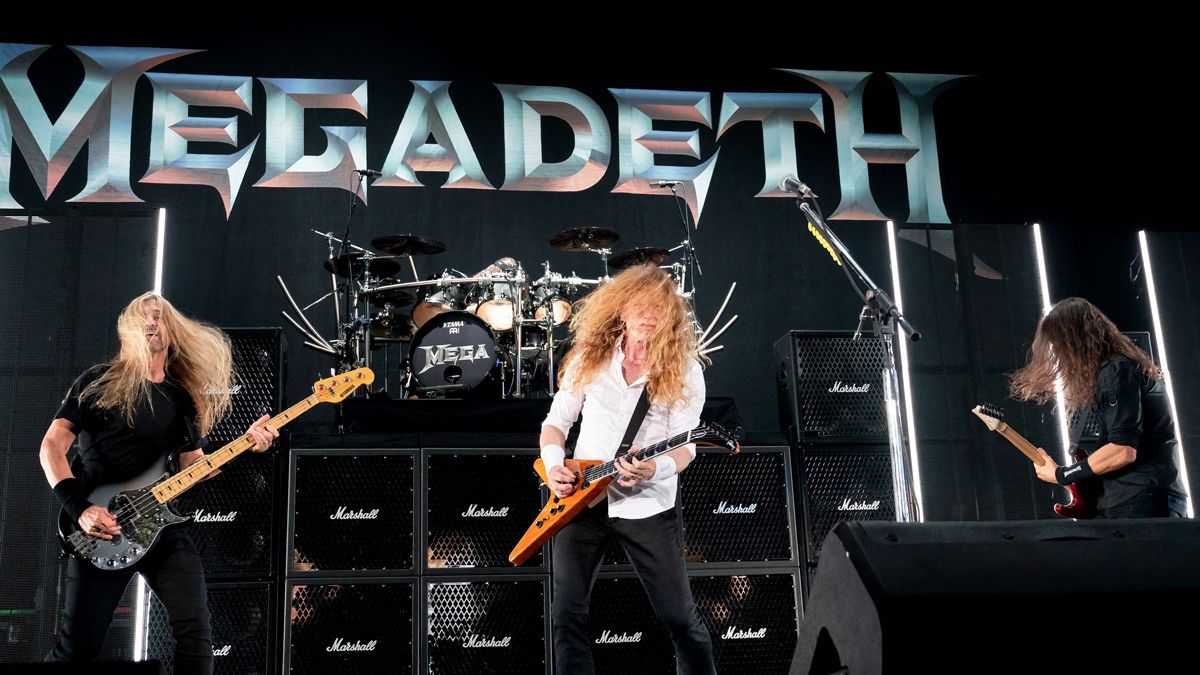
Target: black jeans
{"points": [[174, 573], [1148, 504], [655, 548]]}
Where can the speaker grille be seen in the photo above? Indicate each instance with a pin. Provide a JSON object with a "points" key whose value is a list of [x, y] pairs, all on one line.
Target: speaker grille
{"points": [[478, 507], [625, 631], [735, 507], [241, 629], [233, 515], [257, 391], [353, 512], [832, 386], [751, 619], [489, 626], [845, 483], [351, 628]]}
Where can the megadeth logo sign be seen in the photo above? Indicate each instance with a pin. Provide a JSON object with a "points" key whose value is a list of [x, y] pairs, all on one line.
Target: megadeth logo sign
{"points": [[431, 137]]}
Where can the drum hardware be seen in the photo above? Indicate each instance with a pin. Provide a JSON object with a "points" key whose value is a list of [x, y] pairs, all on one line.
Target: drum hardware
{"points": [[408, 245], [643, 255], [597, 240]]}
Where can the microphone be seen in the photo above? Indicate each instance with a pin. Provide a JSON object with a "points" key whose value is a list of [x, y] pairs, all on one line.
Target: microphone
{"points": [[665, 183], [790, 183], [368, 173]]}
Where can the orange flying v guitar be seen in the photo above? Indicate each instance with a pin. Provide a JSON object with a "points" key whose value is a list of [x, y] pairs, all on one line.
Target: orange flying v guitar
{"points": [[1082, 504], [591, 480]]}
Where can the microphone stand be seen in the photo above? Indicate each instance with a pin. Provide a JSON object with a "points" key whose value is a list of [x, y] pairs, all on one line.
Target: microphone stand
{"points": [[886, 317]]}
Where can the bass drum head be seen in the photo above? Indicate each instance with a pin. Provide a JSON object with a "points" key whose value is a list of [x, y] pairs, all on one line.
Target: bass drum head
{"points": [[453, 348]]}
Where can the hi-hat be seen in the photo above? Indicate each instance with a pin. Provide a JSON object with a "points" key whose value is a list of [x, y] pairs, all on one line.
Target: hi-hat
{"points": [[352, 265]]}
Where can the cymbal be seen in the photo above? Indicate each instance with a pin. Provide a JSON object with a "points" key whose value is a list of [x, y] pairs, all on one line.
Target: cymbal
{"points": [[392, 327], [644, 255], [352, 265], [407, 244], [584, 239], [396, 297]]}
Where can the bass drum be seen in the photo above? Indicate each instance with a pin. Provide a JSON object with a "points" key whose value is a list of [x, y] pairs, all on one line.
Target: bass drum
{"points": [[453, 348]]}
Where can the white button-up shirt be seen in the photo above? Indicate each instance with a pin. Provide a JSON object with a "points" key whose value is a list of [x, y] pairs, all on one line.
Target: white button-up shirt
{"points": [[607, 405]]}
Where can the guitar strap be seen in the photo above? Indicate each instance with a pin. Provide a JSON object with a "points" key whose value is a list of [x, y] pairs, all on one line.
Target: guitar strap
{"points": [[635, 422]]}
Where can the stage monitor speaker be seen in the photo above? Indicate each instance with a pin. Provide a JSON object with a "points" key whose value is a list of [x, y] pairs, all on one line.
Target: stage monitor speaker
{"points": [[351, 625], [735, 509], [830, 386], [493, 624], [751, 618], [1005, 596], [260, 369], [478, 504], [242, 626], [351, 512]]}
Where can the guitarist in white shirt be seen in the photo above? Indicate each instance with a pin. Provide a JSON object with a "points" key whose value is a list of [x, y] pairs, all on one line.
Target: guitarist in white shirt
{"points": [[631, 334], [127, 414]]}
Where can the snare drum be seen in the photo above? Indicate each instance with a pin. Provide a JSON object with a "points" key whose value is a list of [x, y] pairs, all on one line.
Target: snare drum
{"points": [[453, 348]]}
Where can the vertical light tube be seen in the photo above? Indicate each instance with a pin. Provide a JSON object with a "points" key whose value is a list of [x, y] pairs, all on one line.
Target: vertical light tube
{"points": [[158, 250], [905, 380], [1060, 402]]}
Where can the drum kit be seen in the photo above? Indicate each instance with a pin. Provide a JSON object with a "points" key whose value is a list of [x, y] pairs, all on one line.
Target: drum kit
{"points": [[492, 331]]}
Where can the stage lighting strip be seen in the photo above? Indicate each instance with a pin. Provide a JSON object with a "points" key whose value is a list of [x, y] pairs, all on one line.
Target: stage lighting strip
{"points": [[1059, 401], [905, 380]]}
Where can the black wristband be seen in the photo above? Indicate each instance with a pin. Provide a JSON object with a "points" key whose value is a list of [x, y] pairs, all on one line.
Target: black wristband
{"points": [[1065, 475], [73, 496]]}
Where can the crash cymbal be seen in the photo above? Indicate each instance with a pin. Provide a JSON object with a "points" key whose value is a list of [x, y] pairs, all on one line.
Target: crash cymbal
{"points": [[407, 244], [584, 239], [392, 327], [352, 265], [644, 255], [396, 297]]}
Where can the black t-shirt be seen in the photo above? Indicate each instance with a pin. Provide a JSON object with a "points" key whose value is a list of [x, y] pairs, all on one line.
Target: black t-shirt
{"points": [[1132, 409], [112, 450]]}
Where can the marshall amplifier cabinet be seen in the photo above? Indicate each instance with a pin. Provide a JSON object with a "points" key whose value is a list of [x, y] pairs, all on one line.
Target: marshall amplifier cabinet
{"points": [[242, 625], [234, 517], [497, 624], [351, 625], [842, 483], [735, 509], [751, 618], [352, 512], [478, 504], [259, 366], [831, 386]]}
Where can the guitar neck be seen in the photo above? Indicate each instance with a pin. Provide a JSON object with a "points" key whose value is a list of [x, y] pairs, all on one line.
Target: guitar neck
{"points": [[649, 452], [184, 480], [1028, 449]]}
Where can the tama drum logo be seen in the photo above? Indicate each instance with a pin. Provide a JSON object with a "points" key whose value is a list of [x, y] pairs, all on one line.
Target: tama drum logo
{"points": [[223, 651], [725, 507], [201, 517], [340, 645], [848, 505], [610, 638], [440, 355], [232, 391], [473, 511], [839, 388], [732, 633], [344, 513], [474, 641]]}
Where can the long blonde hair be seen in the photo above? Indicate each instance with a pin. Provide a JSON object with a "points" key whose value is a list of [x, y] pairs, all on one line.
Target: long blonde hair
{"points": [[1072, 341], [198, 358], [597, 327]]}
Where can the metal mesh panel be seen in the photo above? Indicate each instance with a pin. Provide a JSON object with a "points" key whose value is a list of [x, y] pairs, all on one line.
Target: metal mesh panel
{"points": [[233, 515], [486, 626], [353, 512], [351, 628], [241, 630], [625, 634], [751, 619], [257, 388], [477, 527], [735, 508], [837, 387], [845, 483]]}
